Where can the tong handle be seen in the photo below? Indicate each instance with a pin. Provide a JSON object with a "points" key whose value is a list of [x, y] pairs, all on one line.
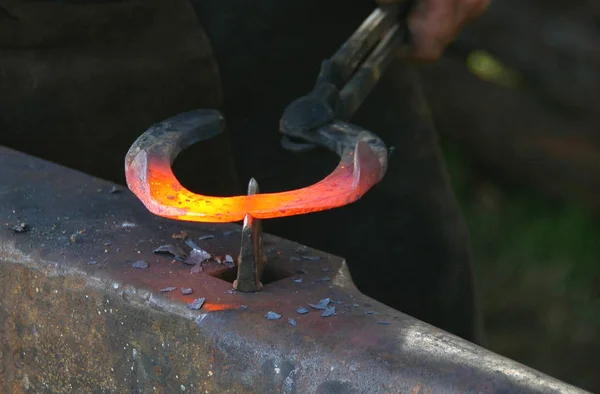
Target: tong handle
{"points": [[349, 56]]}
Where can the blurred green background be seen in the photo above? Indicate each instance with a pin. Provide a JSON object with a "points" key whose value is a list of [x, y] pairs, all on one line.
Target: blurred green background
{"points": [[537, 270]]}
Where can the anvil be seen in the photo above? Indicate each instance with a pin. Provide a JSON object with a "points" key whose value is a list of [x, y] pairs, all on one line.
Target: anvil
{"points": [[86, 306]]}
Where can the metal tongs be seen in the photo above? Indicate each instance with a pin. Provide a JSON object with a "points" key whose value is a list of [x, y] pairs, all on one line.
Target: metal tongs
{"points": [[320, 118]]}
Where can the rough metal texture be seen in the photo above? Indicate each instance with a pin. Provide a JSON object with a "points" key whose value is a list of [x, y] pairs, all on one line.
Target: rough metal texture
{"points": [[70, 326]]}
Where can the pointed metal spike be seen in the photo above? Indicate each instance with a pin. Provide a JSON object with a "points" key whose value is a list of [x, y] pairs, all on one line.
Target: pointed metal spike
{"points": [[252, 259], [253, 187]]}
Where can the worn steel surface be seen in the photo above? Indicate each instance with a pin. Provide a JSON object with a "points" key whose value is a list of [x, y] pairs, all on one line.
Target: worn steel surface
{"points": [[70, 326]]}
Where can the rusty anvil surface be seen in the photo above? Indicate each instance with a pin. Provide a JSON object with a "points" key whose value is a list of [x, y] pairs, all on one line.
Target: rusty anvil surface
{"points": [[68, 326]]}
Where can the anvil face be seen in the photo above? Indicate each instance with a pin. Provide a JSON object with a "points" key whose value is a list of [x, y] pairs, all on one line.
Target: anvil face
{"points": [[85, 305]]}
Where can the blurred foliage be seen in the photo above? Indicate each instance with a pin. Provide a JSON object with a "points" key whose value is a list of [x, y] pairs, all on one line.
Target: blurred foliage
{"points": [[538, 272], [490, 69]]}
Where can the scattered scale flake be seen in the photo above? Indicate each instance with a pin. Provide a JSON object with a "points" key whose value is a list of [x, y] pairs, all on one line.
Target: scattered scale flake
{"points": [[197, 303], [272, 315], [328, 312], [321, 305], [311, 258], [172, 250], [228, 262], [198, 256], [140, 264]]}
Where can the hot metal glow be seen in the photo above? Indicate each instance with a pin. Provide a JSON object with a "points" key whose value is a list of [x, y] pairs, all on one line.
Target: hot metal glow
{"points": [[154, 183], [214, 307]]}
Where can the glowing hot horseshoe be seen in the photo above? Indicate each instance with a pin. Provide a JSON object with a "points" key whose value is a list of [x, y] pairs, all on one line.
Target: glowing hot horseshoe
{"points": [[150, 177]]}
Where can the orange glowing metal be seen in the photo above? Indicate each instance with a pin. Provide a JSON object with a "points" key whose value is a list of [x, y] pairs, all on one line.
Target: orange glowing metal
{"points": [[214, 307], [149, 176]]}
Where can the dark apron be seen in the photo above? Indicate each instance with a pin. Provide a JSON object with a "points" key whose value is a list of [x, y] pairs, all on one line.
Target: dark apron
{"points": [[79, 83]]}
